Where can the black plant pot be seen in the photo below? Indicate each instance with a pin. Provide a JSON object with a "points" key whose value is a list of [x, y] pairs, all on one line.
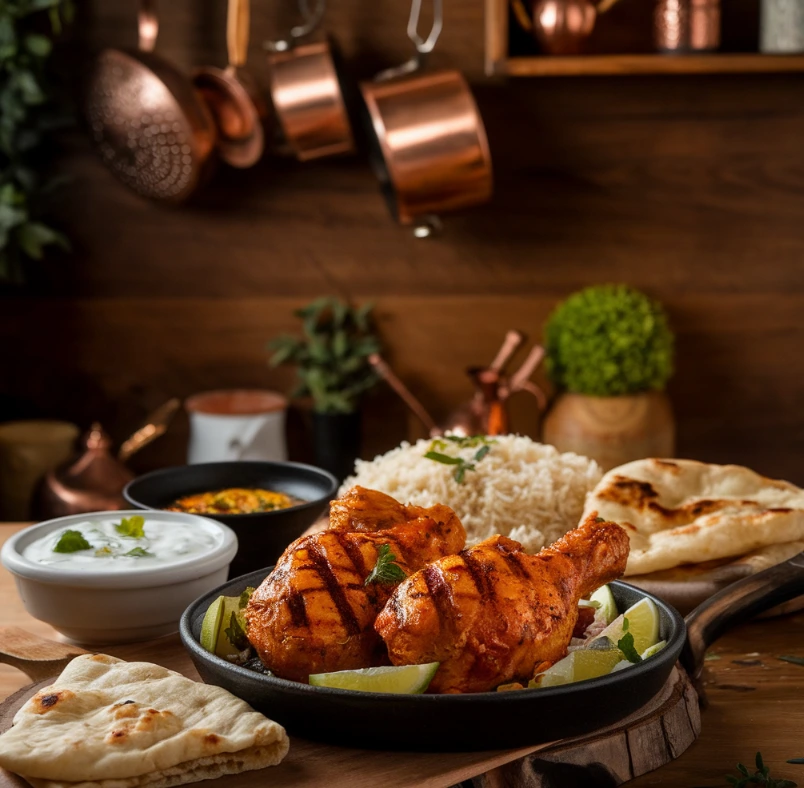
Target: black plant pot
{"points": [[336, 442]]}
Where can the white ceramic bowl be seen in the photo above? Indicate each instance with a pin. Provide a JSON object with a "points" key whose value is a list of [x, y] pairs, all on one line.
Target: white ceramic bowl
{"points": [[106, 605]]}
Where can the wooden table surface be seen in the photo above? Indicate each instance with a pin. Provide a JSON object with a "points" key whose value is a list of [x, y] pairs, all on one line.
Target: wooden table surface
{"points": [[755, 700]]}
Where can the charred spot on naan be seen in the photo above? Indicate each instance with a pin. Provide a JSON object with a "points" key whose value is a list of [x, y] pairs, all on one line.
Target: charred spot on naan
{"points": [[672, 467], [48, 701], [643, 496]]}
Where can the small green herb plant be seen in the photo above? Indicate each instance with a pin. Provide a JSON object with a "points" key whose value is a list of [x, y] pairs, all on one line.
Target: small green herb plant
{"points": [[609, 340], [331, 357], [760, 777], [26, 115]]}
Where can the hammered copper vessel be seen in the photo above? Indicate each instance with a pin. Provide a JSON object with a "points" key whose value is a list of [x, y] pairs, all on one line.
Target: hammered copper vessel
{"points": [[233, 97], [429, 146], [562, 26], [306, 89], [147, 121], [92, 482]]}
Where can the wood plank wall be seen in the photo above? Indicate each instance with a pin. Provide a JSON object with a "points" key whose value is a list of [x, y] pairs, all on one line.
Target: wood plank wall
{"points": [[690, 188]]}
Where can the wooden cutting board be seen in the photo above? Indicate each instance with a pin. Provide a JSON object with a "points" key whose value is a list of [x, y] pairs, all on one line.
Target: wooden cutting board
{"points": [[655, 735]]}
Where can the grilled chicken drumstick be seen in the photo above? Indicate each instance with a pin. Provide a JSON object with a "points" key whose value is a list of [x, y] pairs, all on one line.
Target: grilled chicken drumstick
{"points": [[492, 613], [315, 613]]}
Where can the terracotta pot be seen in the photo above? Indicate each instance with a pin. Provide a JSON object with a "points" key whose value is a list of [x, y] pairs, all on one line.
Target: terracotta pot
{"points": [[612, 430]]}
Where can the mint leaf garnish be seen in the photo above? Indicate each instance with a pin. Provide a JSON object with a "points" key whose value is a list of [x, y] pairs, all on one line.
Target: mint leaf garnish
{"points": [[236, 634], [245, 596], [626, 644], [385, 570], [71, 542], [139, 552], [131, 527]]}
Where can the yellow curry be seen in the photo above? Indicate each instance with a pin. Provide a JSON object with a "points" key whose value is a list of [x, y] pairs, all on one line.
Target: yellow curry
{"points": [[233, 500]]}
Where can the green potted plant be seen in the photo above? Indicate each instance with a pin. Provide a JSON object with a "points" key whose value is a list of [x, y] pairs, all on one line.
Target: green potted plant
{"points": [[331, 359], [610, 355], [30, 110]]}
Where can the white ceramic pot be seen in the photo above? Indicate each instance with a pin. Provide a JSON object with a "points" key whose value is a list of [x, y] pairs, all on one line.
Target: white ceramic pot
{"points": [[226, 426], [112, 604]]}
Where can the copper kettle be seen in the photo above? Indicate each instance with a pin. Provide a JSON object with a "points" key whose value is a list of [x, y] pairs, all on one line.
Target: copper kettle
{"points": [[94, 480]]}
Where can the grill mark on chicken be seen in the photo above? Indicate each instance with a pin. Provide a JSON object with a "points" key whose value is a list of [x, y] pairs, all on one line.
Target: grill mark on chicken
{"points": [[335, 590], [298, 609], [439, 591], [513, 560], [352, 551], [479, 574]]}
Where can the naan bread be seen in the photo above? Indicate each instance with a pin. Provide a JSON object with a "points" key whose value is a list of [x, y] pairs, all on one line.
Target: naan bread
{"points": [[685, 512], [106, 723]]}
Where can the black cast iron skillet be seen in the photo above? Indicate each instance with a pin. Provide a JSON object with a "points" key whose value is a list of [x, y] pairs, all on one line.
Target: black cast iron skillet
{"points": [[491, 720]]}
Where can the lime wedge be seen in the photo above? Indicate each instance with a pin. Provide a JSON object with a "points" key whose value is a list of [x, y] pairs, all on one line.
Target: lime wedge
{"points": [[223, 646], [643, 624], [579, 665], [608, 607], [654, 649], [400, 680], [211, 625], [649, 652]]}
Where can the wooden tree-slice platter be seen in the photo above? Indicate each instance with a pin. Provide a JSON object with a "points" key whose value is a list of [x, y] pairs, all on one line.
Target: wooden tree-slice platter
{"points": [[646, 740]]}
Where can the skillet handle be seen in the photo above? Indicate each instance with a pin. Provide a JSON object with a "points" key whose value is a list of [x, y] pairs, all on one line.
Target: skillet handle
{"points": [[737, 603]]}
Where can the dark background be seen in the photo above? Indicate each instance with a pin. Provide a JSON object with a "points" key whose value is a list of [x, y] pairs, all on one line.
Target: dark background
{"points": [[691, 188]]}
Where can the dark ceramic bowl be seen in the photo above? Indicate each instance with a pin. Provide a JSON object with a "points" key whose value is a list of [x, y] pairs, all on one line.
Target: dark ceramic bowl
{"points": [[261, 536]]}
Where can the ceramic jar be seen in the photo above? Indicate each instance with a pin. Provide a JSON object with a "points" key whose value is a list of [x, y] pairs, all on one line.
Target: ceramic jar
{"points": [[781, 26]]}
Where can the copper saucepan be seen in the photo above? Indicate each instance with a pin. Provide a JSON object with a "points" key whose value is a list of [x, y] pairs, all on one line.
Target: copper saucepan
{"points": [[232, 95], [147, 121], [430, 151], [307, 91]]}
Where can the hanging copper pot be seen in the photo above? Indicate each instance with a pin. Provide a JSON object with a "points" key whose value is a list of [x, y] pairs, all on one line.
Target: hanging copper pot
{"points": [[306, 88], [429, 146], [150, 126]]}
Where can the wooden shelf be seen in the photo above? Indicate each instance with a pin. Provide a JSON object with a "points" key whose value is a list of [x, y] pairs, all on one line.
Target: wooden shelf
{"points": [[500, 62]]}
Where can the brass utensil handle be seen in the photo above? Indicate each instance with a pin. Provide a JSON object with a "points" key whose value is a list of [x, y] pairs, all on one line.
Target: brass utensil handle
{"points": [[402, 390], [737, 603], [147, 25], [238, 21], [155, 426], [513, 339]]}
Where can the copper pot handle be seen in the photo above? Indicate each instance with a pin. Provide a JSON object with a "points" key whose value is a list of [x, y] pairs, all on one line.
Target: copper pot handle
{"points": [[423, 46], [312, 18], [147, 25]]}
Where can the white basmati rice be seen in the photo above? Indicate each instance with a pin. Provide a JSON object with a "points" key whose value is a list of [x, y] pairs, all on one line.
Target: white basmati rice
{"points": [[522, 489]]}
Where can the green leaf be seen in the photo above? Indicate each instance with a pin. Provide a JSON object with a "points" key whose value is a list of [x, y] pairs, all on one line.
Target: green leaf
{"points": [[236, 633], [796, 760], [139, 552], [132, 527], [38, 45], [245, 595], [443, 458], [33, 237], [626, 644], [385, 571], [793, 660], [71, 542]]}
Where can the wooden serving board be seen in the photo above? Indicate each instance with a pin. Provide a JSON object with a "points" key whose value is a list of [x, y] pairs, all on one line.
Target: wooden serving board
{"points": [[655, 735]]}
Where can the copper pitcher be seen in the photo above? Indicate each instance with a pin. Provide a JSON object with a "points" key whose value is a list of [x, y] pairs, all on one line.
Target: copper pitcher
{"points": [[429, 146]]}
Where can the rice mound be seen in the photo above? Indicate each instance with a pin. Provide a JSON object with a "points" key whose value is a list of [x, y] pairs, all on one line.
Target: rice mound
{"points": [[528, 491]]}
